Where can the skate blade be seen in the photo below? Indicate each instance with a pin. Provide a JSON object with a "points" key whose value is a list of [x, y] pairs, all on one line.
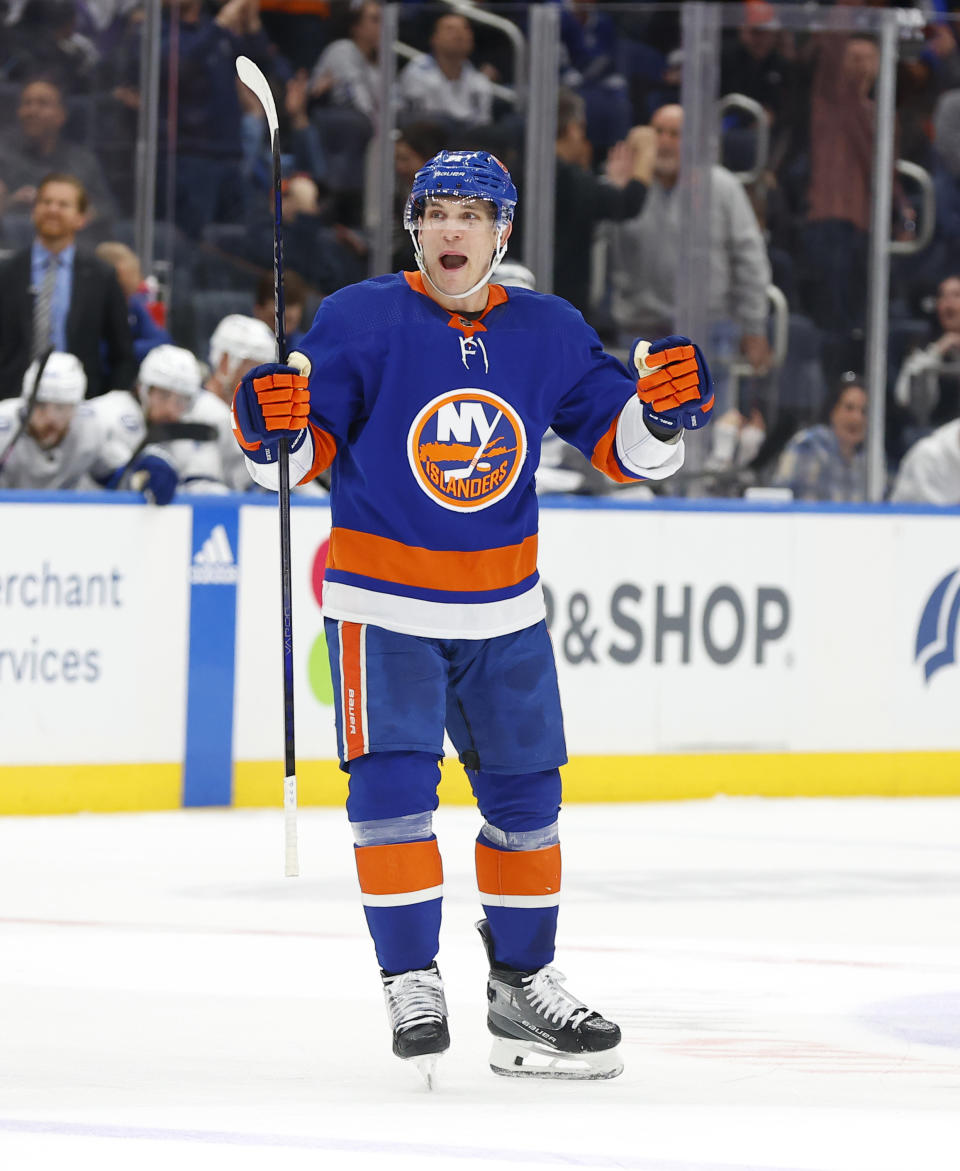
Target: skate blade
{"points": [[514, 1058], [427, 1068]]}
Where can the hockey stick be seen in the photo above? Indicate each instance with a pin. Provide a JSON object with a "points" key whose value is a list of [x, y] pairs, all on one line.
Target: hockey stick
{"points": [[27, 410], [165, 433], [254, 80]]}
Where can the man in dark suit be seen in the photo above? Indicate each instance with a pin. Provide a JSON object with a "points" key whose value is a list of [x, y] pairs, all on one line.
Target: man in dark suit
{"points": [[56, 295]]}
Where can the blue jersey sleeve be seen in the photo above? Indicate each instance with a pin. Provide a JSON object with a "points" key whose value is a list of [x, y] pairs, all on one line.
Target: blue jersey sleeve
{"points": [[586, 416], [336, 379]]}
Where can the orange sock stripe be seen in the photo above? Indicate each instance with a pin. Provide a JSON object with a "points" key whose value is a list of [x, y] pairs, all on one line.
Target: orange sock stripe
{"points": [[352, 689], [518, 872], [399, 869]]}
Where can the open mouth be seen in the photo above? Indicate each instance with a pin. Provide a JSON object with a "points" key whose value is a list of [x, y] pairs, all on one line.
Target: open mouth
{"points": [[452, 260]]}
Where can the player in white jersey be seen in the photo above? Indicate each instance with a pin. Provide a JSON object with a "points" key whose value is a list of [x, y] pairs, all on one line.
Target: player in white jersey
{"points": [[237, 345], [51, 439], [169, 391]]}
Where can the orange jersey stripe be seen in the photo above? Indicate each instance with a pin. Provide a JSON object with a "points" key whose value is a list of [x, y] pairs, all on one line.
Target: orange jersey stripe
{"points": [[352, 695], [605, 461], [400, 868], [435, 569], [324, 450], [518, 872]]}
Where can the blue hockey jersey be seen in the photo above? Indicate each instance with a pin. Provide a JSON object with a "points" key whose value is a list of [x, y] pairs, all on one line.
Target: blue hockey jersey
{"points": [[431, 424]]}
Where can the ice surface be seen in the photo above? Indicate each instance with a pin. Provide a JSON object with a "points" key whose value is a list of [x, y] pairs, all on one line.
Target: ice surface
{"points": [[786, 974]]}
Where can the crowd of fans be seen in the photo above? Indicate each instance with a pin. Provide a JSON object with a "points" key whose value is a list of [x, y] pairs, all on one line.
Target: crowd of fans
{"points": [[71, 282]]}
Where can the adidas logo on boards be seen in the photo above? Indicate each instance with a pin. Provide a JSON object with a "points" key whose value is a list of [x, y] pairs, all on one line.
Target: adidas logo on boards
{"points": [[214, 563]]}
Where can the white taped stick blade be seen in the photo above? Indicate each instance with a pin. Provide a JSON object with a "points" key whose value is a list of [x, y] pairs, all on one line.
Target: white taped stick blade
{"points": [[254, 80], [291, 848]]}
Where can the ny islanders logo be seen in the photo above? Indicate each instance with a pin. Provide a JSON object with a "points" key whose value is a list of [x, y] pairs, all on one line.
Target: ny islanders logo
{"points": [[937, 632], [466, 449]]}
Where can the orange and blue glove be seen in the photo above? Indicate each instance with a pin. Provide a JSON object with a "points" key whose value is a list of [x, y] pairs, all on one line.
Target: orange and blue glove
{"points": [[674, 385], [271, 403]]}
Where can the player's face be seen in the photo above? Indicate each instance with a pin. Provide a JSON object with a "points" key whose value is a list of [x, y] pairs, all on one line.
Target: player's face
{"points": [[459, 239], [49, 423], [164, 406]]}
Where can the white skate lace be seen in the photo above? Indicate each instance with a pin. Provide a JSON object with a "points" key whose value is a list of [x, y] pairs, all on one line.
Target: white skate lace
{"points": [[551, 1000], [414, 998]]}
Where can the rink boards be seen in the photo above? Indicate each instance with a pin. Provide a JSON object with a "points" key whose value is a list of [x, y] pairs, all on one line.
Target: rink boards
{"points": [[703, 648]]}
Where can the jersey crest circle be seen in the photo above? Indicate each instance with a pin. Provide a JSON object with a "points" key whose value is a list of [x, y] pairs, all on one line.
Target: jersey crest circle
{"points": [[466, 448]]}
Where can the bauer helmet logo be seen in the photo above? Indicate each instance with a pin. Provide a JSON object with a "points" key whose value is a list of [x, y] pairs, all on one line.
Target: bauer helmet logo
{"points": [[466, 449]]}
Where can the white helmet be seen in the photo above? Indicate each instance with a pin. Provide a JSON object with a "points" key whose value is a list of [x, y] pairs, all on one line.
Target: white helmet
{"points": [[170, 368], [63, 380], [512, 272], [242, 339]]}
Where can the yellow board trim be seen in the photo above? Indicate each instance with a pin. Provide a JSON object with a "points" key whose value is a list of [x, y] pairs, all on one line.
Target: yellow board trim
{"points": [[661, 778], [89, 788], [115, 788]]}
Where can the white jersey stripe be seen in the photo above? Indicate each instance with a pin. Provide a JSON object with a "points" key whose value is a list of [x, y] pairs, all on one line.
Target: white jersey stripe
{"points": [[433, 619], [522, 901], [343, 690], [403, 899], [364, 729]]}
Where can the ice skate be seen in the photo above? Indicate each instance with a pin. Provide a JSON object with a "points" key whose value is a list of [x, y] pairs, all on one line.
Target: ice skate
{"points": [[418, 1017], [540, 1030]]}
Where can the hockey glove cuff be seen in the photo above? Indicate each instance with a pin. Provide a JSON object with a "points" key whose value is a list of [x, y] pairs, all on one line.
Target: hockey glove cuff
{"points": [[154, 474], [271, 402], [674, 385]]}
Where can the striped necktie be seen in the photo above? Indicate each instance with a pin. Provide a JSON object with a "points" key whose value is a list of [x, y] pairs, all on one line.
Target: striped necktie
{"points": [[42, 304]]}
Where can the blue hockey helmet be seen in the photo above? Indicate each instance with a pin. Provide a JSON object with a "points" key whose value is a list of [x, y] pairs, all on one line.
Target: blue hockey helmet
{"points": [[462, 174]]}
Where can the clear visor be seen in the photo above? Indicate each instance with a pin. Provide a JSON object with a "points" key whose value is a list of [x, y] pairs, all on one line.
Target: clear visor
{"points": [[463, 214]]}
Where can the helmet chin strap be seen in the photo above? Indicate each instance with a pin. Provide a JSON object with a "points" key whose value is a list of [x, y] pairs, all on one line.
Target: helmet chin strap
{"points": [[421, 264]]}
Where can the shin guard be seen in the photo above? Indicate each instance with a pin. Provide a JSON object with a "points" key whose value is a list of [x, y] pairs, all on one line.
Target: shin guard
{"points": [[401, 888], [520, 893]]}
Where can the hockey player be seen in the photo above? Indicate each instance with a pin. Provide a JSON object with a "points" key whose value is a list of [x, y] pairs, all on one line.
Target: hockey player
{"points": [[427, 393], [237, 345], [52, 439], [169, 391]]}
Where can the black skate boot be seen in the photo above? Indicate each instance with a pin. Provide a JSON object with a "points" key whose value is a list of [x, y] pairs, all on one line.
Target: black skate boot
{"points": [[418, 1017], [540, 1030]]}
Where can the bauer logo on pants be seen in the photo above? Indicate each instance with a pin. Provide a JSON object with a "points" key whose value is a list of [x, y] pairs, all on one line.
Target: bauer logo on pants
{"points": [[466, 449]]}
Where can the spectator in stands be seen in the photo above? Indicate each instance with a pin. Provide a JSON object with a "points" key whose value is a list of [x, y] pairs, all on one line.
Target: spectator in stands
{"points": [[209, 147], [930, 471], [36, 147], [443, 84], [56, 294], [834, 238], [303, 150], [828, 461], [590, 45], [328, 256], [644, 261], [414, 144], [294, 303], [146, 331], [46, 39], [347, 71], [582, 200], [929, 380], [51, 440]]}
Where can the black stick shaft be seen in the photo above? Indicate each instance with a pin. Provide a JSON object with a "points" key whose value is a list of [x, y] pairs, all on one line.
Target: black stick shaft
{"points": [[286, 586]]}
